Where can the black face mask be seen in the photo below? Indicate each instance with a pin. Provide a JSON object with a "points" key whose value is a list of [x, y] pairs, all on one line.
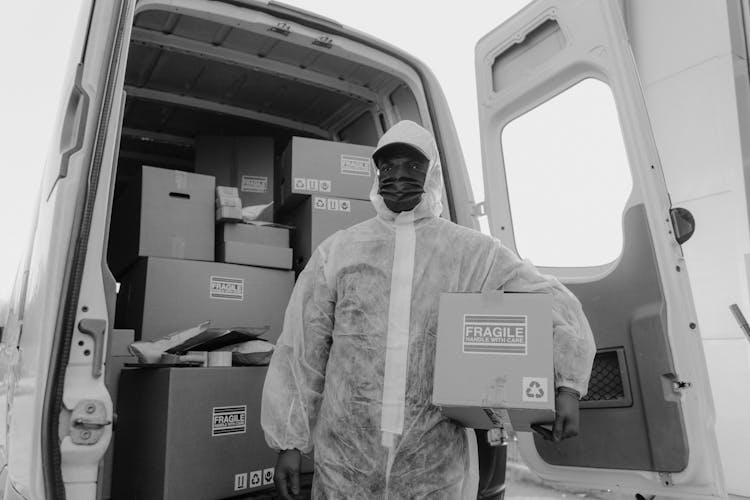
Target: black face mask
{"points": [[401, 181]]}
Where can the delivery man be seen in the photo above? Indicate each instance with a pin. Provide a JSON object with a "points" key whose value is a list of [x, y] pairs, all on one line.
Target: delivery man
{"points": [[352, 372]]}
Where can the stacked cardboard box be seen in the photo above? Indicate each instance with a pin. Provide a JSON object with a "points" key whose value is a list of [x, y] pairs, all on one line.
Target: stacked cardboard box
{"points": [[164, 213], [161, 296], [246, 163], [191, 433], [324, 186], [253, 245]]}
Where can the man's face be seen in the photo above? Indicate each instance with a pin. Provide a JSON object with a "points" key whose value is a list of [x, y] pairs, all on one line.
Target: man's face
{"points": [[402, 173]]}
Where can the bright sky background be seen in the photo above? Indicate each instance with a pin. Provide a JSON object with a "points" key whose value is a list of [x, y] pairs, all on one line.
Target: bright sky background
{"points": [[441, 35]]}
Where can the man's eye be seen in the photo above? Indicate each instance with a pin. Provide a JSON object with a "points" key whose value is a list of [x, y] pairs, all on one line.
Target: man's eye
{"points": [[414, 166]]}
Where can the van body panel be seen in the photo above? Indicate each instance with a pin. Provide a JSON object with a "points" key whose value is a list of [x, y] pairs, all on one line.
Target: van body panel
{"points": [[654, 434]]}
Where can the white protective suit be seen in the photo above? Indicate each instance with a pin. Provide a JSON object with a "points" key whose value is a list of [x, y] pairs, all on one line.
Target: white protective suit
{"points": [[352, 373]]}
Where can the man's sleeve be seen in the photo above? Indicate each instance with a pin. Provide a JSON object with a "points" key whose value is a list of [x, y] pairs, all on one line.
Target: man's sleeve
{"points": [[294, 383], [574, 347]]}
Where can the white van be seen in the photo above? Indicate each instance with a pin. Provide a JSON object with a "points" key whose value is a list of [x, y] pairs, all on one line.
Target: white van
{"points": [[147, 76]]}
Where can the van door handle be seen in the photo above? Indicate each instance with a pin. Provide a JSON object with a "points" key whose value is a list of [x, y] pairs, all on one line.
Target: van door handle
{"points": [[95, 328], [73, 126]]}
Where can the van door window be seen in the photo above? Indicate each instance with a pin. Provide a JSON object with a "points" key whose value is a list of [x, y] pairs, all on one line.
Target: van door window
{"points": [[568, 178], [361, 131]]}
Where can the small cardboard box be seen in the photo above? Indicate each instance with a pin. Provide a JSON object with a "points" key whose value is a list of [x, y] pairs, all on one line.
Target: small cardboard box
{"points": [[493, 359], [325, 168], [251, 233], [161, 296], [164, 213], [191, 433], [252, 254], [317, 218]]}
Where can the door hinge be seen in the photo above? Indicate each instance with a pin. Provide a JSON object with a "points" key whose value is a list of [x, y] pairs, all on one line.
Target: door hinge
{"points": [[479, 209], [88, 421]]}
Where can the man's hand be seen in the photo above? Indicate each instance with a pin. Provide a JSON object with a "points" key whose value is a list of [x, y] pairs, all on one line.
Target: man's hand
{"points": [[566, 414], [286, 476]]}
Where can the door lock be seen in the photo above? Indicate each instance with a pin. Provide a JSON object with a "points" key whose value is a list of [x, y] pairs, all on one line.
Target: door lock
{"points": [[88, 421]]}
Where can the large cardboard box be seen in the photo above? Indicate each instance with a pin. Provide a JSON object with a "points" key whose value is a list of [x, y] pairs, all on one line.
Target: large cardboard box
{"points": [[163, 213], [317, 218], [246, 163], [493, 361], [161, 296], [326, 168], [191, 433]]}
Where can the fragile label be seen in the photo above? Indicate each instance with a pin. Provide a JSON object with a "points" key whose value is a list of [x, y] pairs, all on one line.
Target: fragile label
{"points": [[495, 334], [535, 390], [229, 420], [355, 165], [227, 288], [254, 184]]}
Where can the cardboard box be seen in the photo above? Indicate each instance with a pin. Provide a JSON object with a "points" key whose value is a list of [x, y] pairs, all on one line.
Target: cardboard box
{"points": [[164, 213], [191, 433], [251, 254], [227, 196], [246, 163], [493, 359], [317, 218], [161, 296], [326, 168], [251, 233], [230, 214]]}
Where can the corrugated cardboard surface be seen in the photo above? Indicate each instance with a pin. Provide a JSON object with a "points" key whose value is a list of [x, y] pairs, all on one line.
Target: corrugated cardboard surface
{"points": [[494, 351], [246, 163], [250, 233], [325, 168], [161, 296], [250, 254], [315, 219], [167, 442], [167, 213]]}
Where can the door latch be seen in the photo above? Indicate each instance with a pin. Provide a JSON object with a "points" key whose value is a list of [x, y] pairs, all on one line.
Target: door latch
{"points": [[88, 421], [479, 209], [95, 328]]}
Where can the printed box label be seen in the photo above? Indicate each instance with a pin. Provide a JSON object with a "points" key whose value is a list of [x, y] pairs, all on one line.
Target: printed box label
{"points": [[227, 420], [240, 481], [254, 184], [355, 165], [535, 390], [268, 476], [495, 334], [227, 288]]}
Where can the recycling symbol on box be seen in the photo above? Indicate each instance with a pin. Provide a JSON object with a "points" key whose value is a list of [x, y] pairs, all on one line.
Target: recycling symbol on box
{"points": [[255, 479], [535, 389], [300, 183]]}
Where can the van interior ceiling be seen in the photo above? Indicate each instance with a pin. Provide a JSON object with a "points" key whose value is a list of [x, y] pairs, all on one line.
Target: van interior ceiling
{"points": [[187, 77]]}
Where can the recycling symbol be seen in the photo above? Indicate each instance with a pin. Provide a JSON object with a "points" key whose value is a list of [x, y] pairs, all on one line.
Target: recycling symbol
{"points": [[535, 390], [300, 183], [320, 203], [255, 479]]}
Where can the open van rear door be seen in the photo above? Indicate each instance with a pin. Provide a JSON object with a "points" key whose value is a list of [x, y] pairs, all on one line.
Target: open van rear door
{"points": [[550, 81], [59, 412]]}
